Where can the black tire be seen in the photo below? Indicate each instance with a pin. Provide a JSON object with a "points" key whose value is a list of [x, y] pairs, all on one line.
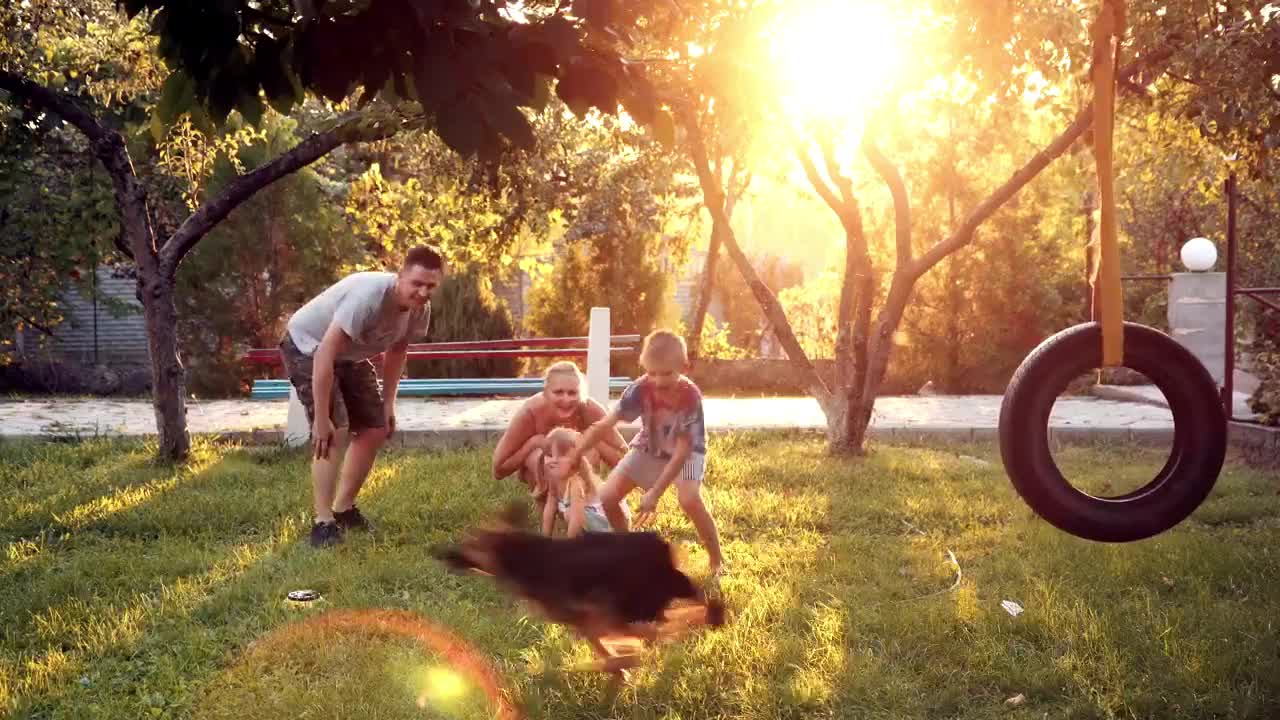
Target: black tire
{"points": [[1199, 446]]}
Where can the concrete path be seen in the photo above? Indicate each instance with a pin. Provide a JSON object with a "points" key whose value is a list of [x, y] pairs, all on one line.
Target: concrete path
{"points": [[448, 422], [1151, 395]]}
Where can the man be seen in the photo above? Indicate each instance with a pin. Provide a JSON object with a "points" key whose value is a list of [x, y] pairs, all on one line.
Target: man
{"points": [[327, 351]]}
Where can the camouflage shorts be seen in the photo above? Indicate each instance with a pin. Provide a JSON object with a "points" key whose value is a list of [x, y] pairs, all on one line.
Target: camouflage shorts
{"points": [[355, 401]]}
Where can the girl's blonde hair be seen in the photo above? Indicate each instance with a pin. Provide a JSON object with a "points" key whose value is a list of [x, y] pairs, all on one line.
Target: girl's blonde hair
{"points": [[565, 367], [559, 441]]}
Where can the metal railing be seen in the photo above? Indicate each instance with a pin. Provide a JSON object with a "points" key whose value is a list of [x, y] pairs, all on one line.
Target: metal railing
{"points": [[1258, 294]]}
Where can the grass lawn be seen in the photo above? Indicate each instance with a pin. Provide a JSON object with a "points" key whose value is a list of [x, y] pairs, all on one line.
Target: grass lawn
{"points": [[130, 591]]}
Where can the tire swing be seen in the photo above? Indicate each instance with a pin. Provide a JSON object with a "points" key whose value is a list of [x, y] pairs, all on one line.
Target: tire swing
{"points": [[1200, 423]]}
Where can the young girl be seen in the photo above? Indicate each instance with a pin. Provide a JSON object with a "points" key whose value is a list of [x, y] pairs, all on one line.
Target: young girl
{"points": [[573, 495], [562, 403]]}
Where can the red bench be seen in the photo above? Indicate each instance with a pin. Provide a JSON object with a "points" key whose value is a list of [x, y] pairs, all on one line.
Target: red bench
{"points": [[568, 347]]}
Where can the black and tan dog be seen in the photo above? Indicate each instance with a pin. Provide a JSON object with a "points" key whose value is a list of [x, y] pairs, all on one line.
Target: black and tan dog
{"points": [[614, 589]]}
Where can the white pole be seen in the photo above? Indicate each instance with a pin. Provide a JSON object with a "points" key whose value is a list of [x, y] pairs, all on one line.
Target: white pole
{"points": [[598, 356], [297, 430]]}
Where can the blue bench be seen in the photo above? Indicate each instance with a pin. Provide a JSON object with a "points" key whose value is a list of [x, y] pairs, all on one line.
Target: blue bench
{"points": [[431, 387]]}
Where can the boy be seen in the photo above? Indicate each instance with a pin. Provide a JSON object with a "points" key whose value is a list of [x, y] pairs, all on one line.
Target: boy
{"points": [[670, 448]]}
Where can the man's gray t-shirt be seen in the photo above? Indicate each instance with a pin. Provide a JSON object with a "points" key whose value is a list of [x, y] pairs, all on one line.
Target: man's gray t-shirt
{"points": [[364, 306]]}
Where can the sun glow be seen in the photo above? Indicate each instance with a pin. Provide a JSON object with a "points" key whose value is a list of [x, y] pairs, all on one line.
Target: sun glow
{"points": [[835, 58]]}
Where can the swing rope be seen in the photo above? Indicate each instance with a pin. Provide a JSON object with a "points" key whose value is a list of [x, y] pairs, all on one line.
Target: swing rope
{"points": [[1107, 31]]}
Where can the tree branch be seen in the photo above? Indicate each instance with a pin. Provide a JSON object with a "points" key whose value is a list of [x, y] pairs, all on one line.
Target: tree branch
{"points": [[714, 200], [819, 183], [59, 103], [963, 234], [841, 183], [901, 203], [122, 245], [34, 324], [199, 223], [109, 147]]}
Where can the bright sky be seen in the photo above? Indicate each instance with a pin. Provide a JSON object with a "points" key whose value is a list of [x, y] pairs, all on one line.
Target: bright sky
{"points": [[835, 57]]}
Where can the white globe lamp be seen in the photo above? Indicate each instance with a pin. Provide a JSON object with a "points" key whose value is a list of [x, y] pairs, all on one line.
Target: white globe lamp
{"points": [[1199, 254]]}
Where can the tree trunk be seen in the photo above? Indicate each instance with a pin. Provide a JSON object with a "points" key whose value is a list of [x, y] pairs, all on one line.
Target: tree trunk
{"points": [[955, 298], [713, 200], [705, 288], [168, 377], [156, 292]]}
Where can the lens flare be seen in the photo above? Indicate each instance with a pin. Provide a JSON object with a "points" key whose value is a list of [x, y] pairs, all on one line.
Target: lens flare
{"points": [[442, 685]]}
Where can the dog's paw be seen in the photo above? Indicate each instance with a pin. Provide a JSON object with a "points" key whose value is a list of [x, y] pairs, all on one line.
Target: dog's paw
{"points": [[715, 613]]}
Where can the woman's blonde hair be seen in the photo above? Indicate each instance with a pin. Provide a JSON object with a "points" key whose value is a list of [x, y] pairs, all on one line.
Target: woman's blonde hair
{"points": [[565, 367]]}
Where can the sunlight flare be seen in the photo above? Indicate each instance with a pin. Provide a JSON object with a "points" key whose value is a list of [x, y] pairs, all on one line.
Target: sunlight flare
{"points": [[835, 58]]}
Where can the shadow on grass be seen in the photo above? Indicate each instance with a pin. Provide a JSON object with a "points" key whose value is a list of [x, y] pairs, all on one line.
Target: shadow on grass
{"points": [[839, 594], [1137, 630]]}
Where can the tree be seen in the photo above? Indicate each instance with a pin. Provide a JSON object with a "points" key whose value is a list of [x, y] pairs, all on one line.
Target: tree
{"points": [[48, 189], [741, 313], [985, 44], [465, 308], [462, 69], [616, 244], [268, 257]]}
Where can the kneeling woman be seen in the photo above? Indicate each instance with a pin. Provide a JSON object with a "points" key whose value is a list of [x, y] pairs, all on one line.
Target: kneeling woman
{"points": [[560, 404]]}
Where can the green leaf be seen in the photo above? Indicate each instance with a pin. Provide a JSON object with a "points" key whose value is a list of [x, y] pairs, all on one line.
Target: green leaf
{"points": [[541, 91], [437, 82], [597, 13], [175, 97], [201, 121], [569, 91], [507, 120], [133, 7], [641, 102], [460, 127], [158, 128], [664, 128], [251, 108], [561, 37]]}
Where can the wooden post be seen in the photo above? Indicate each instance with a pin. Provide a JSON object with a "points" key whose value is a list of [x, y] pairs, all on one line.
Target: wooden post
{"points": [[297, 431], [598, 356], [1229, 352]]}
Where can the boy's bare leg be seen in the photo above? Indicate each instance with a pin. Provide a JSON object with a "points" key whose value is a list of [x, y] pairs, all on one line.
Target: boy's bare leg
{"points": [[611, 495], [324, 476], [690, 496]]}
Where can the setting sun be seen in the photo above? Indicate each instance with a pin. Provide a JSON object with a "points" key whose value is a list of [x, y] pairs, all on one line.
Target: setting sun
{"points": [[834, 57]]}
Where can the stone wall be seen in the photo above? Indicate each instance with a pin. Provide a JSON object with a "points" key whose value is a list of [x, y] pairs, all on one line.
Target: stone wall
{"points": [[1197, 317], [759, 376], [1258, 445], [753, 376]]}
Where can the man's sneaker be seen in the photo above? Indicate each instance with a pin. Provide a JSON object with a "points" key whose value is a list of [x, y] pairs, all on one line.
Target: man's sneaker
{"points": [[325, 534], [351, 519]]}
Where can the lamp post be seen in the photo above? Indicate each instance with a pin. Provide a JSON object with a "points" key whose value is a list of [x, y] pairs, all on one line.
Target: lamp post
{"points": [[1199, 254]]}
